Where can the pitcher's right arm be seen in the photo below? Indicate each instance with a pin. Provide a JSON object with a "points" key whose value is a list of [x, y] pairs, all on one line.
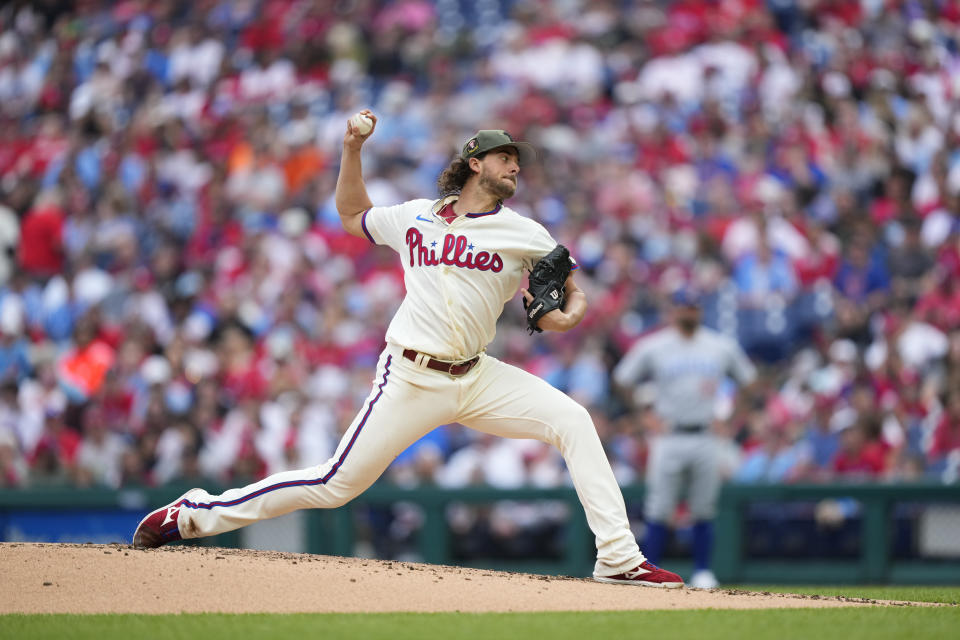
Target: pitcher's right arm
{"points": [[351, 195]]}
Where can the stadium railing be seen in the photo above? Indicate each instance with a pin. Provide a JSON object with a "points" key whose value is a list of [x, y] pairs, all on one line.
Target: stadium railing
{"points": [[837, 534]]}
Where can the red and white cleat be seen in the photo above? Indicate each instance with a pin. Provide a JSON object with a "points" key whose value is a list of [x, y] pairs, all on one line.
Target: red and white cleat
{"points": [[160, 526], [645, 575]]}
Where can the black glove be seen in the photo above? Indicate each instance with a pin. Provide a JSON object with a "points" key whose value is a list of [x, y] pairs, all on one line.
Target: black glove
{"points": [[547, 286]]}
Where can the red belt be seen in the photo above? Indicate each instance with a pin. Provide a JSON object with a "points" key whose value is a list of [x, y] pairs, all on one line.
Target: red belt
{"points": [[452, 368]]}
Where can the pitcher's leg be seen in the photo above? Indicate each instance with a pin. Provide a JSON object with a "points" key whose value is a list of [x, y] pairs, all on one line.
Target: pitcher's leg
{"points": [[395, 415], [509, 402]]}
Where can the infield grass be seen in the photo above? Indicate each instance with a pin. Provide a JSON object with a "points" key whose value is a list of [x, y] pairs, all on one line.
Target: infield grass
{"points": [[861, 623], [942, 594]]}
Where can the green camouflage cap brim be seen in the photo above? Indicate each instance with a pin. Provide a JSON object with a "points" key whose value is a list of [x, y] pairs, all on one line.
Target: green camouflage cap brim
{"points": [[488, 139]]}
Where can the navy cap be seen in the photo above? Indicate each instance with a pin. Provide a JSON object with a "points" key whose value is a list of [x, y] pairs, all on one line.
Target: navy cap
{"points": [[685, 297]]}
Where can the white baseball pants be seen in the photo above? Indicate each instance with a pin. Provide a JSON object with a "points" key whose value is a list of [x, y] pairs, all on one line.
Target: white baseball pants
{"points": [[406, 402]]}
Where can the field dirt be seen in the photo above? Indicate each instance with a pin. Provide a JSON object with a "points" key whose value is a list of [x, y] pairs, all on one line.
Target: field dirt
{"points": [[92, 578]]}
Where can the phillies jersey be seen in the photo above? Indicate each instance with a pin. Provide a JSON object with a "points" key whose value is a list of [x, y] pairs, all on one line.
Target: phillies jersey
{"points": [[458, 276]]}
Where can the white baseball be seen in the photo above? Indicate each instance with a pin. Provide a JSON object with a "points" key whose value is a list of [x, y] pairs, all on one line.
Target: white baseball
{"points": [[362, 123]]}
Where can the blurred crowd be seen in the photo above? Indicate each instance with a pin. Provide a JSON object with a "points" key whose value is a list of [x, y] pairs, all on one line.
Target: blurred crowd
{"points": [[178, 302]]}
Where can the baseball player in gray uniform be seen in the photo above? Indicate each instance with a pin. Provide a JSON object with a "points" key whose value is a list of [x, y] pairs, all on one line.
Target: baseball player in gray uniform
{"points": [[686, 363], [463, 257]]}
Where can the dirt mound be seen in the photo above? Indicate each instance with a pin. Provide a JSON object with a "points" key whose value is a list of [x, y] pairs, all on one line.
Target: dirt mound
{"points": [[53, 578]]}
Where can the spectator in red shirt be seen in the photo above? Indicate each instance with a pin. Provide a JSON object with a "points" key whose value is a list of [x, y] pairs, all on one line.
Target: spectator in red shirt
{"points": [[940, 305], [946, 435], [41, 236], [824, 257], [862, 455], [54, 457]]}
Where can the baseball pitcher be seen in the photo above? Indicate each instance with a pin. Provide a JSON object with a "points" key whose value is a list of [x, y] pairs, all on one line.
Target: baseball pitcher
{"points": [[463, 257]]}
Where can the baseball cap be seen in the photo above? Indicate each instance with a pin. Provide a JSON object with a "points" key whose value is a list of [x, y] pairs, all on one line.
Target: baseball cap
{"points": [[487, 139], [685, 297]]}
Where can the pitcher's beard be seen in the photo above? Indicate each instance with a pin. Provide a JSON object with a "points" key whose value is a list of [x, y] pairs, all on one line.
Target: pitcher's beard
{"points": [[501, 189]]}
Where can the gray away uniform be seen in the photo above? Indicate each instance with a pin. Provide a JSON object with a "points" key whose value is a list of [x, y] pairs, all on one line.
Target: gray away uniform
{"points": [[686, 373]]}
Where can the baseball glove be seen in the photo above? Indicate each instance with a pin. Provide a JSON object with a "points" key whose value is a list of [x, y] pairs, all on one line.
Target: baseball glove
{"points": [[547, 286]]}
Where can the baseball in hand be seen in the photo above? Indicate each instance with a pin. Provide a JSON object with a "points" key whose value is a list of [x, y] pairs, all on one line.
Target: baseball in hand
{"points": [[362, 124]]}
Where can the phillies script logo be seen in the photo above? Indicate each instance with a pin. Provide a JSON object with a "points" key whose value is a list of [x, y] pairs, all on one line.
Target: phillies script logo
{"points": [[457, 251]]}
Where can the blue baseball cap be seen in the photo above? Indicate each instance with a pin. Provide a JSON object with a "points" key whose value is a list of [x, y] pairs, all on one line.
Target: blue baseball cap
{"points": [[685, 297]]}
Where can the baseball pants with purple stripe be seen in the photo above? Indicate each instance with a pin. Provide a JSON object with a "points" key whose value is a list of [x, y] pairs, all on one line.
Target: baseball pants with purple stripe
{"points": [[406, 402]]}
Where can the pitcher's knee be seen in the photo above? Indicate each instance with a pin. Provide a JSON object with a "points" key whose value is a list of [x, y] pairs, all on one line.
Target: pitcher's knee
{"points": [[338, 500], [340, 490], [576, 422], [327, 497]]}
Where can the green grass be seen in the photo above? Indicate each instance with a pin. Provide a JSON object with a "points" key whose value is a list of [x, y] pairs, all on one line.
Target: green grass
{"points": [[947, 595], [868, 623]]}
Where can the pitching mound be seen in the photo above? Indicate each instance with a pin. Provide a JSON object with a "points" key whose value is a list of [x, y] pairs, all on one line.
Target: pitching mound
{"points": [[51, 578]]}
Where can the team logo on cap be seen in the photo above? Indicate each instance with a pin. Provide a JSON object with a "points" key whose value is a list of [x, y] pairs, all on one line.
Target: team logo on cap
{"points": [[472, 145]]}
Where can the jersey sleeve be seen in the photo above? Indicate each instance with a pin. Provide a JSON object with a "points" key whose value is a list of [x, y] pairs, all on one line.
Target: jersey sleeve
{"points": [[542, 243], [739, 365], [388, 225], [635, 365]]}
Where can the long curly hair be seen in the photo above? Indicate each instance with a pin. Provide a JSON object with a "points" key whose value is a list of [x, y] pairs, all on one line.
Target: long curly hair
{"points": [[453, 178]]}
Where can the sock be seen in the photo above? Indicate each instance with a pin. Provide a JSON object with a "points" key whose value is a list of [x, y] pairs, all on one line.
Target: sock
{"points": [[655, 541], [702, 544]]}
